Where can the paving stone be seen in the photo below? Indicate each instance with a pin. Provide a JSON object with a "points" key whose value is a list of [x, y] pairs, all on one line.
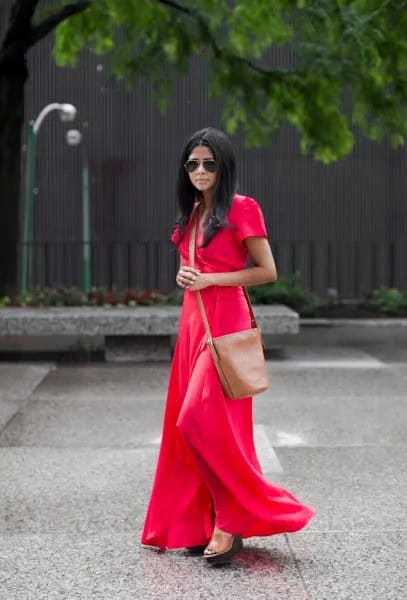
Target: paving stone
{"points": [[72, 490], [353, 565], [116, 567], [325, 420], [78, 458], [107, 381], [334, 382], [359, 487], [122, 422], [17, 381]]}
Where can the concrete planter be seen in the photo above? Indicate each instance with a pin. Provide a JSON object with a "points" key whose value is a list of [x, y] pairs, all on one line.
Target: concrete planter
{"points": [[144, 333]]}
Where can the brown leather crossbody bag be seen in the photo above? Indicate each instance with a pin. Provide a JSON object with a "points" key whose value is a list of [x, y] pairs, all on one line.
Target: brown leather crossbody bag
{"points": [[238, 357]]}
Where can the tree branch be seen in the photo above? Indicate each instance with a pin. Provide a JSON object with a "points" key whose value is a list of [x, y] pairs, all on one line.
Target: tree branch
{"points": [[22, 12], [20, 21], [15, 40], [50, 23], [219, 52], [194, 14], [21, 34]]}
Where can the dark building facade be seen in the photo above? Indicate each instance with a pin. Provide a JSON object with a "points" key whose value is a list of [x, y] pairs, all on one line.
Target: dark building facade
{"points": [[342, 226]]}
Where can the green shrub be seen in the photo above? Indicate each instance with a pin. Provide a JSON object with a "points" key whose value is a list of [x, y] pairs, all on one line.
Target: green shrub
{"points": [[288, 291], [72, 296], [61, 296], [4, 301], [388, 300], [174, 299]]}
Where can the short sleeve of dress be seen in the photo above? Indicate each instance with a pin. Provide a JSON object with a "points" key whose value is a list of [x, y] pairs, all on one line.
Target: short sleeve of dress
{"points": [[250, 220], [175, 237]]}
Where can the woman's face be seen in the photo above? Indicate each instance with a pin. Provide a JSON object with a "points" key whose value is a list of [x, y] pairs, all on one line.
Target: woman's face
{"points": [[201, 179]]}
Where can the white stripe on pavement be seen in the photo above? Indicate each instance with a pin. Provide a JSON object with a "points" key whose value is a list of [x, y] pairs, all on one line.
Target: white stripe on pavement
{"points": [[268, 458]]}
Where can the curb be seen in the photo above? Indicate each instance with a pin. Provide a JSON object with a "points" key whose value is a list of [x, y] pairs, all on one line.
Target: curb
{"points": [[381, 322]]}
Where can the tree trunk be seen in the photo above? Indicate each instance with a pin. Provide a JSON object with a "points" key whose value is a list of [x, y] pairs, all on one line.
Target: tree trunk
{"points": [[13, 75]]}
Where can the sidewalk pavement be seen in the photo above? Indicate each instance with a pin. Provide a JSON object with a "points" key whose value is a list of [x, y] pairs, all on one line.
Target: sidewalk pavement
{"points": [[78, 446]]}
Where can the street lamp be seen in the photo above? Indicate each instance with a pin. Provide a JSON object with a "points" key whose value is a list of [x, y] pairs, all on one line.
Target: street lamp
{"points": [[67, 112], [74, 138]]}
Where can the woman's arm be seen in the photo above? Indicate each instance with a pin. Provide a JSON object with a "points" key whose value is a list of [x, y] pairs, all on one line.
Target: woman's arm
{"points": [[263, 271]]}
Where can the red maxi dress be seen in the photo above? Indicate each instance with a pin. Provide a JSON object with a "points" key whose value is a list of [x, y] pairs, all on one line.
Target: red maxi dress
{"points": [[208, 470]]}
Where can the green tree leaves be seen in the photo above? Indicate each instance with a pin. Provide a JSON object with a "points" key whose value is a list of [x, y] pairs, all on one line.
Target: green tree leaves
{"points": [[345, 61]]}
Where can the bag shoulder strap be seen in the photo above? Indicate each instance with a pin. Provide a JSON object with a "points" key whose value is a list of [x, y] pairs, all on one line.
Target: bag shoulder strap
{"points": [[192, 245]]}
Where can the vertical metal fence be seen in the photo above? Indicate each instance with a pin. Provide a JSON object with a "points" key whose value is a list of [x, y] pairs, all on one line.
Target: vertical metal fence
{"points": [[132, 193], [352, 268]]}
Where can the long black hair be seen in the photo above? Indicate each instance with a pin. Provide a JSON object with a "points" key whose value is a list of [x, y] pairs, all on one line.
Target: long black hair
{"points": [[225, 186]]}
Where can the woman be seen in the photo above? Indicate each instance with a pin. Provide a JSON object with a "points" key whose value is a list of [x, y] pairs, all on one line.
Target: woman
{"points": [[208, 490]]}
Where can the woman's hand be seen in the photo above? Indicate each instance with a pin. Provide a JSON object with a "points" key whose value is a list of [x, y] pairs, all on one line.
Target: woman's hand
{"points": [[192, 279]]}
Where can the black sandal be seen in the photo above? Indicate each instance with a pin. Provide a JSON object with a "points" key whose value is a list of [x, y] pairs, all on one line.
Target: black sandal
{"points": [[218, 558], [196, 549]]}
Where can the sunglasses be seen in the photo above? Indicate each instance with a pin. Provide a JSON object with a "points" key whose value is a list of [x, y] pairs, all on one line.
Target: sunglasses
{"points": [[209, 165]]}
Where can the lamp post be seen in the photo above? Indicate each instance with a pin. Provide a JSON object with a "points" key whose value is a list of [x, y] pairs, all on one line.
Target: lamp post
{"points": [[67, 112], [74, 138]]}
